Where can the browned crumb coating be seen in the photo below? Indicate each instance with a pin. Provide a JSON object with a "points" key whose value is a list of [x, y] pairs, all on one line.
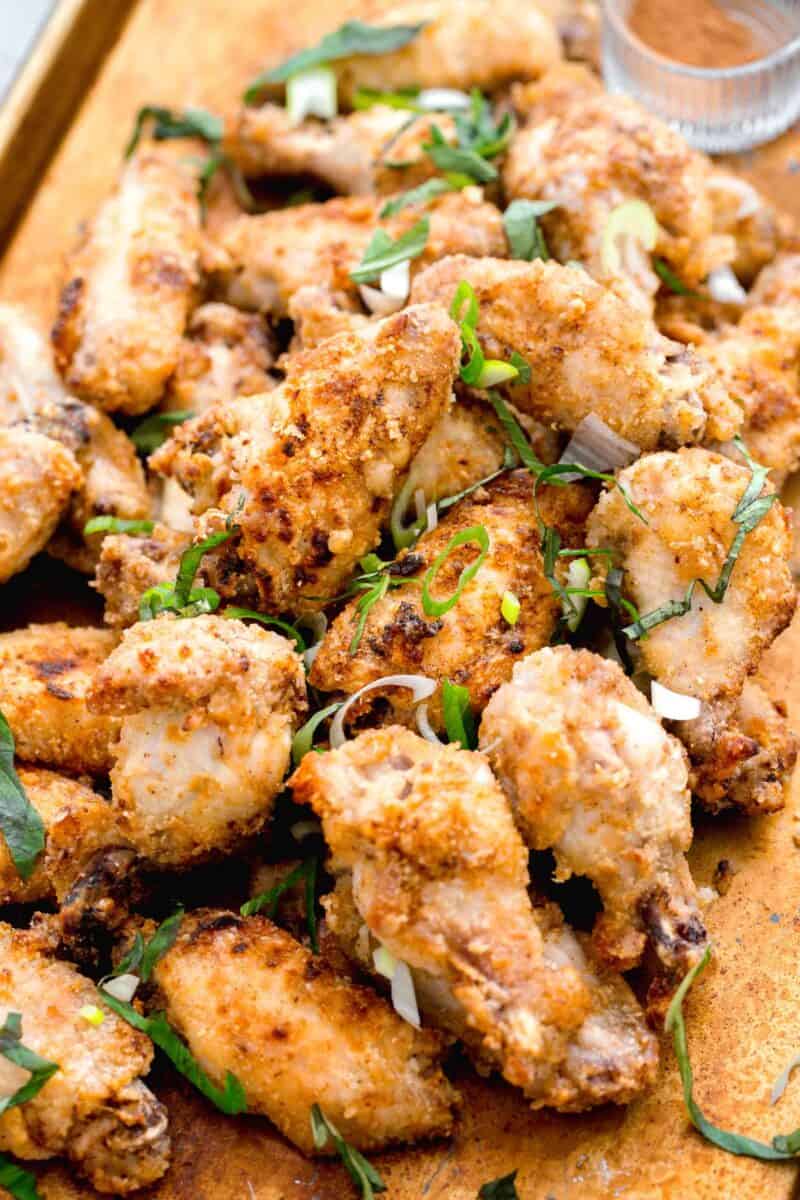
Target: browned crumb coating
{"points": [[38, 477], [130, 564], [225, 353]]}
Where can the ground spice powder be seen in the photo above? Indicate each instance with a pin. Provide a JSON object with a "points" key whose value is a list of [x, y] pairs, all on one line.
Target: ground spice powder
{"points": [[699, 33]]}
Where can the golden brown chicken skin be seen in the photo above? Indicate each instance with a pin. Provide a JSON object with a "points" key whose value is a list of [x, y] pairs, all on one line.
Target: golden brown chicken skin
{"points": [[225, 353], [249, 999], [591, 775], [130, 286], [743, 213], [45, 674], [473, 644], [38, 477], [589, 352], [308, 471], [261, 262], [440, 877], [688, 499], [130, 564], [590, 151], [95, 1109]]}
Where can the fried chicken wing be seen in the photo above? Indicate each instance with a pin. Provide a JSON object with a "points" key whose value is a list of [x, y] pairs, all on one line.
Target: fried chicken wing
{"points": [[472, 644], [592, 776], [45, 673], [590, 151], [688, 499], [740, 211], [262, 261], [130, 286], [589, 352], [37, 480], [130, 564], [249, 999], [439, 876], [225, 353], [309, 470], [95, 1109]]}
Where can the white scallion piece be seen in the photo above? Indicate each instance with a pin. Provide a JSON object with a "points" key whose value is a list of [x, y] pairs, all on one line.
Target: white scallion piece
{"points": [[632, 219], [673, 706], [311, 93], [419, 503], [437, 99], [378, 304], [385, 962], [122, 987], [421, 687], [395, 282], [404, 998], [431, 517], [578, 575], [782, 1082], [424, 725], [318, 624], [724, 287], [598, 448], [495, 372]]}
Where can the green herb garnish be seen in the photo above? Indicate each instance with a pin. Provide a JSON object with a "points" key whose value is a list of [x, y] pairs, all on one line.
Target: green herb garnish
{"points": [[303, 740], [459, 719], [672, 281], [475, 533], [477, 370], [152, 432], [365, 97], [350, 39], [459, 159], [168, 124], [375, 581], [116, 525], [20, 823], [18, 1183], [181, 597], [307, 873], [524, 233], [382, 252], [363, 1174], [248, 614], [422, 194], [130, 962], [161, 941], [40, 1069], [504, 1188]]}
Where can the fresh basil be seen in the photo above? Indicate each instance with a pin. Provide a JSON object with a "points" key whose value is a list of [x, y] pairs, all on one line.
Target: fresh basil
{"points": [[40, 1069], [382, 252], [18, 1183], [303, 740], [459, 719], [351, 39], [20, 823], [116, 525], [504, 1188], [152, 432], [306, 873], [521, 222], [182, 597], [168, 124], [475, 533], [248, 614], [363, 1174], [422, 194], [460, 159], [161, 941], [130, 963], [672, 281]]}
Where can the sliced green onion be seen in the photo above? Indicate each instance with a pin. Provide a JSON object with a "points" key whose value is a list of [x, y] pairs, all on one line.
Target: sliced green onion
{"points": [[459, 719], [92, 1014], [475, 533], [494, 371], [633, 219], [306, 873], [121, 987], [420, 686], [303, 740], [672, 281], [116, 525], [363, 1174], [510, 608], [150, 433], [578, 575], [385, 962], [19, 1184], [161, 941], [311, 93]]}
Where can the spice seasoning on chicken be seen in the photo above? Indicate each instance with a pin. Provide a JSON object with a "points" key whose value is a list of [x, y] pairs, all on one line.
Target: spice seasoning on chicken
{"points": [[700, 34]]}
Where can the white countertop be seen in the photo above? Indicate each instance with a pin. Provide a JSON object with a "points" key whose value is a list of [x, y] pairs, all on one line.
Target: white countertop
{"points": [[20, 22]]}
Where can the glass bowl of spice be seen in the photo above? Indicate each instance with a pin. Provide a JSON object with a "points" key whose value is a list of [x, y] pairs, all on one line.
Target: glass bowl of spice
{"points": [[726, 73]]}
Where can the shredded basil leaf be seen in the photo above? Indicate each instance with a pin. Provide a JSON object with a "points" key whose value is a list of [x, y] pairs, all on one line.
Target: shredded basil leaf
{"points": [[248, 614], [504, 1188], [20, 823], [303, 740], [422, 194], [672, 281], [307, 873], [459, 159], [40, 1069], [18, 1183], [231, 1099], [116, 525], [783, 1145], [516, 437], [374, 583], [350, 39], [521, 221], [478, 131], [181, 597], [382, 252], [161, 941], [475, 533], [363, 1174], [459, 719], [150, 433], [167, 124]]}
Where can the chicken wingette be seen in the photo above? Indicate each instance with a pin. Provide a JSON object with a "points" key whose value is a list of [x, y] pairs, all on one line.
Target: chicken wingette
{"points": [[472, 644], [307, 473], [225, 353], [589, 352], [592, 776], [131, 283], [689, 500], [95, 1109], [38, 478], [131, 564], [440, 877], [250, 999]]}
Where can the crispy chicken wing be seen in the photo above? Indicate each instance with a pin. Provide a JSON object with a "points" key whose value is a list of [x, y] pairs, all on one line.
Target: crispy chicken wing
{"points": [[249, 999], [309, 470], [440, 877], [592, 776], [38, 477], [589, 352], [688, 499], [225, 353], [45, 673], [130, 564], [130, 286], [740, 211], [95, 1109], [261, 262], [589, 151], [472, 644]]}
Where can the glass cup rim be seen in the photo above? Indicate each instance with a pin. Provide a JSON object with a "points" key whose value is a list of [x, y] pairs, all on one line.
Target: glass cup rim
{"points": [[612, 12]]}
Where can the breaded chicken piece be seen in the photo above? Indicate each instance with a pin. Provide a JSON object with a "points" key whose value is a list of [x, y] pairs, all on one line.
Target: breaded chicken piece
{"points": [[38, 477], [130, 564], [309, 471], [249, 999], [440, 877], [590, 151], [225, 353], [28, 381], [473, 644], [592, 776], [688, 499], [208, 708], [131, 283], [316, 313], [742, 212], [778, 285], [95, 1109], [62, 803], [349, 153], [589, 352], [45, 673], [260, 262]]}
